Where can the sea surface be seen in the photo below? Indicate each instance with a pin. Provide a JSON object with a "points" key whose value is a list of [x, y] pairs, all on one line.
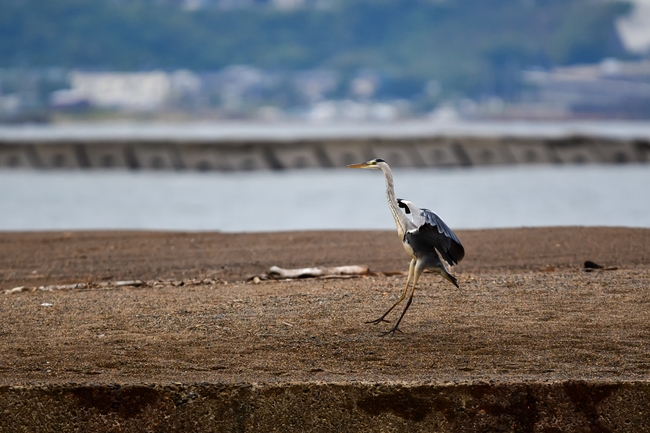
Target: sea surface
{"points": [[594, 195]]}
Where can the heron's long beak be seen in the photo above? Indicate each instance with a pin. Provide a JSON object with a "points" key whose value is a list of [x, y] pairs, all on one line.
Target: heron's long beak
{"points": [[361, 165]]}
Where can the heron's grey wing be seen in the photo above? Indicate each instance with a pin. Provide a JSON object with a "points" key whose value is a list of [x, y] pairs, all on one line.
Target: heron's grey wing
{"points": [[438, 234]]}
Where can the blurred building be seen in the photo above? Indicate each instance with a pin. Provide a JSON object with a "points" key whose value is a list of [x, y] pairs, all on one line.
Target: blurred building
{"points": [[136, 91], [611, 88], [133, 91], [350, 110], [237, 87], [287, 4], [315, 85], [277, 4]]}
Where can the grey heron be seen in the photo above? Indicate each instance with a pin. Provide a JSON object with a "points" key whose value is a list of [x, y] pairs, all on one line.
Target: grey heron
{"points": [[423, 237]]}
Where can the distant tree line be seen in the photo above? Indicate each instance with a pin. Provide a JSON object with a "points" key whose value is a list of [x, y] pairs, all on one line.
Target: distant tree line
{"points": [[468, 46]]}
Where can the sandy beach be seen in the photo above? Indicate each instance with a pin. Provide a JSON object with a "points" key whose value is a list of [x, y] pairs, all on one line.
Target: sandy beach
{"points": [[526, 311]]}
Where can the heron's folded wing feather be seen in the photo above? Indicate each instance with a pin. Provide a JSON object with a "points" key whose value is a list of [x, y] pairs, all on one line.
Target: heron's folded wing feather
{"points": [[439, 235]]}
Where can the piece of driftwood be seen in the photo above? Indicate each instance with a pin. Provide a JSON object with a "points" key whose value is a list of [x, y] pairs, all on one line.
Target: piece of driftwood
{"points": [[134, 283], [53, 287], [50, 288], [353, 270], [17, 290]]}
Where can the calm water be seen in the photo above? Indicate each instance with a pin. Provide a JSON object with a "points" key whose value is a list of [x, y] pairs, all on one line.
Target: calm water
{"points": [[315, 199]]}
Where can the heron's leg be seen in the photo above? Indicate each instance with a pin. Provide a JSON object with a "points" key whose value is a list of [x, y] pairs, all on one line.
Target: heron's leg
{"points": [[401, 298], [419, 268]]}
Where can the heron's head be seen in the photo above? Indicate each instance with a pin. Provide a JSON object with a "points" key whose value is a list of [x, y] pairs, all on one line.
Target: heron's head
{"points": [[376, 163]]}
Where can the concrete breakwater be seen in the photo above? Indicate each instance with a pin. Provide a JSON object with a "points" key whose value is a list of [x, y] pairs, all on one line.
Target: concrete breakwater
{"points": [[226, 147], [314, 153]]}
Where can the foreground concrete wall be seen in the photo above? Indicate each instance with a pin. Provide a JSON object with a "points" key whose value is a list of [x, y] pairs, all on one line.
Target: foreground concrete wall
{"points": [[570, 406], [274, 155]]}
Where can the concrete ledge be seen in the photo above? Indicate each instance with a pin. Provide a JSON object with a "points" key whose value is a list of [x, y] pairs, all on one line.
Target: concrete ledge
{"points": [[570, 406]]}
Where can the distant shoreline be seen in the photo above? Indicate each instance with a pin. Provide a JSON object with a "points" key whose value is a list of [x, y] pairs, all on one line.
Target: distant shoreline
{"points": [[292, 131]]}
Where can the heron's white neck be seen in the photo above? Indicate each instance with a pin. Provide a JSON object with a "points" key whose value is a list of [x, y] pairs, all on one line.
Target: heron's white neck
{"points": [[401, 220]]}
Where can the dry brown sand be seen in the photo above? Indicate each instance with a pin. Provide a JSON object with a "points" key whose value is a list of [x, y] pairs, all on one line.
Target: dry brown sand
{"points": [[526, 309], [531, 342]]}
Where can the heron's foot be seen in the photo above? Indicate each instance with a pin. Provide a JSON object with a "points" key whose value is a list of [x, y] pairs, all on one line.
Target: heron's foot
{"points": [[379, 320], [392, 331]]}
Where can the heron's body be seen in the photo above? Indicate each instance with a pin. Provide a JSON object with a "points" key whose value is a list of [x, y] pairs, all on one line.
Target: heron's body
{"points": [[423, 237]]}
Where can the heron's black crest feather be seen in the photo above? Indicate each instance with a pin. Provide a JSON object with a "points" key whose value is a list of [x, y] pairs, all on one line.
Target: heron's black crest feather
{"points": [[403, 205]]}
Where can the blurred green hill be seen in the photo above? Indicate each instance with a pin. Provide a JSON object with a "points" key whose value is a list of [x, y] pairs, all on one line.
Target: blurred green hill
{"points": [[468, 46]]}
